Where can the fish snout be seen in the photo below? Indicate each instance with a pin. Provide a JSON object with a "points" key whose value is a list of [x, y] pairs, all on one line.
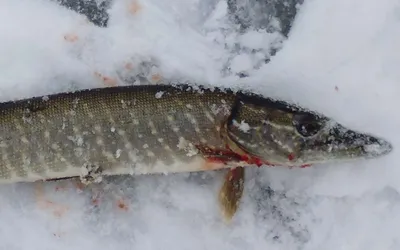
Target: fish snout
{"points": [[356, 144]]}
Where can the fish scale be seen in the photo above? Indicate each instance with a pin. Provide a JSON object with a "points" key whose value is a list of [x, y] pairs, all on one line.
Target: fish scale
{"points": [[108, 127]]}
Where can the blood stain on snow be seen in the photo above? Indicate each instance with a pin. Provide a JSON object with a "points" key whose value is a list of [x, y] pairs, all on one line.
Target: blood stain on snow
{"points": [[122, 205], [134, 7], [108, 81], [71, 38]]}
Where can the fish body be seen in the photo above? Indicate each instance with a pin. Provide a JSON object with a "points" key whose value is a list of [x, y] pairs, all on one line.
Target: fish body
{"points": [[122, 130], [149, 129]]}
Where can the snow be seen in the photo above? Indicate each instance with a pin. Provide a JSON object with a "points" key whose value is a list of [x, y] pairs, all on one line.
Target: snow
{"points": [[341, 59]]}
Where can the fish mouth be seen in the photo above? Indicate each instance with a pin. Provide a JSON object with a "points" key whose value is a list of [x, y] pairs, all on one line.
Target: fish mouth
{"points": [[341, 143]]}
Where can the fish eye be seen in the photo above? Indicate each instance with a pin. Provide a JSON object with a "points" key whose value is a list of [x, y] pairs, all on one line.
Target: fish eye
{"points": [[307, 124]]}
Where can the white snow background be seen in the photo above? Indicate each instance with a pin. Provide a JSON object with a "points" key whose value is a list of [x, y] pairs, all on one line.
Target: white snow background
{"points": [[342, 58]]}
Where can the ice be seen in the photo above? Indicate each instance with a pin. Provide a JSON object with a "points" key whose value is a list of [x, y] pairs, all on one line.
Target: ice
{"points": [[159, 94], [342, 59], [243, 126]]}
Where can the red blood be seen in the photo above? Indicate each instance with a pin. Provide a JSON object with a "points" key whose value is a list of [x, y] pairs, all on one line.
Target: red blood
{"points": [[216, 159], [305, 166], [244, 158], [228, 155], [291, 157], [258, 162]]}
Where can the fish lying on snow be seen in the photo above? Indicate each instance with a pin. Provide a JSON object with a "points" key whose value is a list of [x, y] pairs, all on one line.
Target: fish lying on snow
{"points": [[151, 129]]}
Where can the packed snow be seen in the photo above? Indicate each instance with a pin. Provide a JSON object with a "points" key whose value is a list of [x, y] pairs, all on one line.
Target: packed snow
{"points": [[342, 59]]}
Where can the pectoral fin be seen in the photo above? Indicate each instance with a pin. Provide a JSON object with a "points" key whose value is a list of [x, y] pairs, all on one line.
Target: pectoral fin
{"points": [[231, 192], [232, 188]]}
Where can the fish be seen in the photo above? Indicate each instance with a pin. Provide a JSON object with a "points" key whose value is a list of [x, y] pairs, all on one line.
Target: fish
{"points": [[168, 128]]}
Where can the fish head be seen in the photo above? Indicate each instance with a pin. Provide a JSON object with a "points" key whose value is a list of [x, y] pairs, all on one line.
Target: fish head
{"points": [[282, 134]]}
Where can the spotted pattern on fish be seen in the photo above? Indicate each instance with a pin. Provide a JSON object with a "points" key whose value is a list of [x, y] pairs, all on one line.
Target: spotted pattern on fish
{"points": [[120, 127]]}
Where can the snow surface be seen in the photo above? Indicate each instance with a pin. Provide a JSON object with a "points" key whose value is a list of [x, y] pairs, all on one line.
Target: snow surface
{"points": [[342, 58]]}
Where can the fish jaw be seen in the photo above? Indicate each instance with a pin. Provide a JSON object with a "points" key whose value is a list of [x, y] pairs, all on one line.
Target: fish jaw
{"points": [[338, 143]]}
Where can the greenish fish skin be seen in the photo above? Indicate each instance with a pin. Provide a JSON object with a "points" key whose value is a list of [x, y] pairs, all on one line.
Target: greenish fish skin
{"points": [[145, 129]]}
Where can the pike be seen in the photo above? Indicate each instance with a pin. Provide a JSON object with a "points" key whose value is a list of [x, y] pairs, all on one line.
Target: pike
{"points": [[165, 128]]}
